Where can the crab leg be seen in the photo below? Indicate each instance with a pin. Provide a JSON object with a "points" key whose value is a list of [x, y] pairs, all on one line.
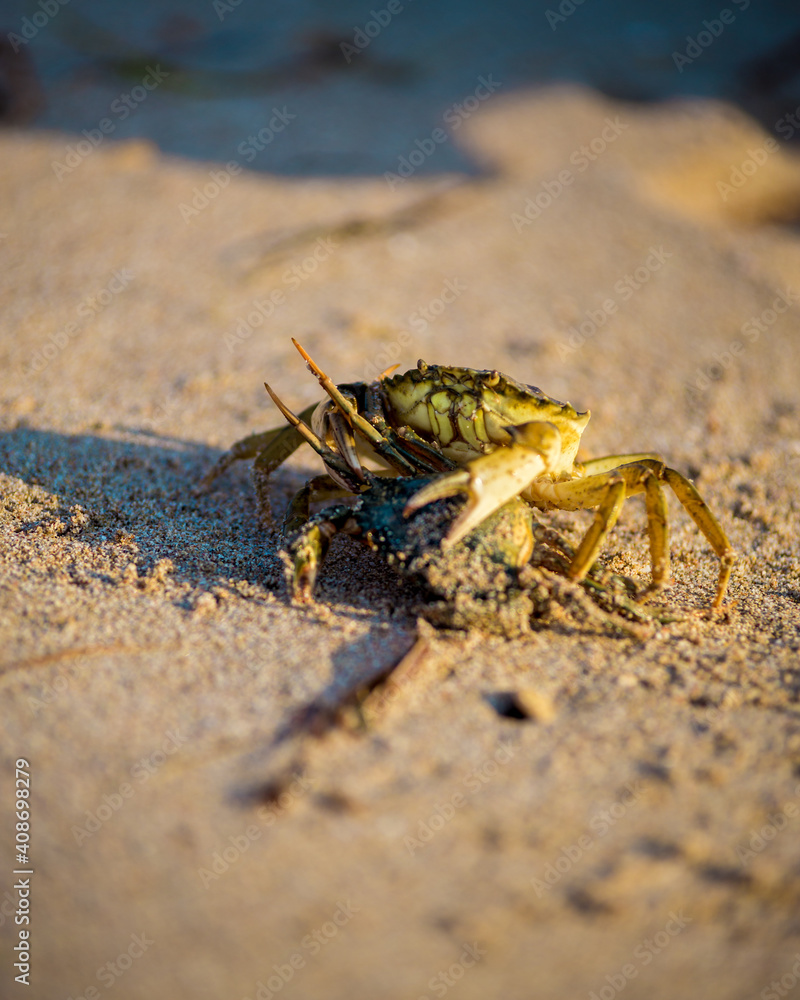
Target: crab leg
{"points": [[307, 551], [345, 440], [492, 480], [608, 512], [607, 491], [331, 459], [594, 466], [427, 456], [276, 445], [699, 511], [365, 428], [424, 456], [316, 489]]}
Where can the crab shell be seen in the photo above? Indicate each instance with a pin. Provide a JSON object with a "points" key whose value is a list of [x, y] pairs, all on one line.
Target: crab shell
{"points": [[467, 411], [462, 411]]}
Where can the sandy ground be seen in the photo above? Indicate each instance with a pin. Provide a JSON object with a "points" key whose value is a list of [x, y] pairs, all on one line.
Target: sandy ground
{"points": [[641, 833]]}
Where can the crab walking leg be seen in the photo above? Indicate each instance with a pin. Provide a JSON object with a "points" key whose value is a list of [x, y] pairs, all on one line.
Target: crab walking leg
{"points": [[700, 513], [492, 480], [316, 489], [425, 457], [307, 551], [612, 497], [608, 491], [594, 466], [345, 439], [551, 540], [276, 445], [658, 529], [645, 476], [422, 451], [365, 428], [694, 505], [352, 477], [421, 455]]}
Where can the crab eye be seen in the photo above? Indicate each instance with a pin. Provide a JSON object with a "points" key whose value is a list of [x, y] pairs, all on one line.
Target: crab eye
{"points": [[422, 367], [493, 377]]}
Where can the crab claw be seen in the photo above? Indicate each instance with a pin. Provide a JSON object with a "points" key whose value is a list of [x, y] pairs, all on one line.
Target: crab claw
{"points": [[492, 480]]}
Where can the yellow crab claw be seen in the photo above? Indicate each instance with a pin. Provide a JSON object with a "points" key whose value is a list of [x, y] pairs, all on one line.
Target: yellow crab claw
{"points": [[492, 480]]}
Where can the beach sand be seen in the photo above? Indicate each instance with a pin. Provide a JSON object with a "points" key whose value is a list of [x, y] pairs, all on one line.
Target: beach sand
{"points": [[640, 832]]}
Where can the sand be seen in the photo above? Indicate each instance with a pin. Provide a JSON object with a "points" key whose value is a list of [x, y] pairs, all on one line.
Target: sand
{"points": [[639, 830]]}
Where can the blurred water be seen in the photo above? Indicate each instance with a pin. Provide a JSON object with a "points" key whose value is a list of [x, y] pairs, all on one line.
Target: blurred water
{"points": [[362, 83]]}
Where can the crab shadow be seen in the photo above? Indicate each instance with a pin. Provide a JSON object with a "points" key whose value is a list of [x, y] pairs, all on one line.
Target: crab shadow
{"points": [[135, 489], [138, 489]]}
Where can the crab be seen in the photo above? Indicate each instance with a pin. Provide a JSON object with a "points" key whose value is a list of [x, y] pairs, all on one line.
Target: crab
{"points": [[501, 576], [504, 575], [486, 436]]}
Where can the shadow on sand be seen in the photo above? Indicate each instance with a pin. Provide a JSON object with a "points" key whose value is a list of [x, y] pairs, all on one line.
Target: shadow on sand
{"points": [[138, 487]]}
